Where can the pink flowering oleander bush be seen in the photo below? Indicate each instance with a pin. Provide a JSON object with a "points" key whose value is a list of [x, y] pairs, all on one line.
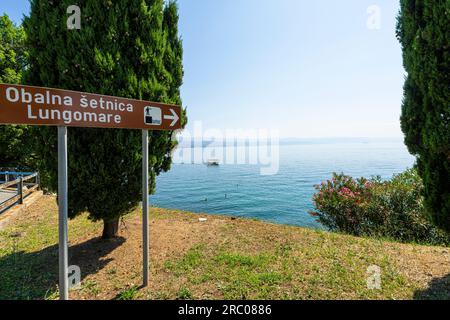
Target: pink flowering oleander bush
{"points": [[372, 207]]}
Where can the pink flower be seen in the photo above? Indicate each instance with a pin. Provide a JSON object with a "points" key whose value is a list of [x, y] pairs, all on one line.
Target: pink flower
{"points": [[347, 192]]}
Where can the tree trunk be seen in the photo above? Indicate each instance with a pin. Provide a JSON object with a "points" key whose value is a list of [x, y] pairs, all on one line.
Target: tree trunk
{"points": [[110, 229]]}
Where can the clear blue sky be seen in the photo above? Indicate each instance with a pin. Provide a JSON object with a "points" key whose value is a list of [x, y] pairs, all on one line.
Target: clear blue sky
{"points": [[306, 68]]}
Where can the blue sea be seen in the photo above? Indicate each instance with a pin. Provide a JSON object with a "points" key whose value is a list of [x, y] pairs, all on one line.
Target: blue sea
{"points": [[284, 198]]}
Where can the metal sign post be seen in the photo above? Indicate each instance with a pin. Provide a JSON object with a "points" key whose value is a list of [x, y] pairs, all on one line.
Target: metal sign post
{"points": [[62, 208], [145, 206]]}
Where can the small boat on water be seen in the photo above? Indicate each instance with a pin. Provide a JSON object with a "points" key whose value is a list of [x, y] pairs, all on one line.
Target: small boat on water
{"points": [[213, 163]]}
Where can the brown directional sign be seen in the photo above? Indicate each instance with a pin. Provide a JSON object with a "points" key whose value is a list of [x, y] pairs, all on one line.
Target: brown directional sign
{"points": [[54, 107]]}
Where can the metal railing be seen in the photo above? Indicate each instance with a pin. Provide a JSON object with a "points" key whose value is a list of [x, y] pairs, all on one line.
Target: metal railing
{"points": [[19, 185]]}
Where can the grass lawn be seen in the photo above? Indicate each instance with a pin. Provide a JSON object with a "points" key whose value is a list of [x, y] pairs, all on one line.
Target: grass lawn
{"points": [[223, 258]]}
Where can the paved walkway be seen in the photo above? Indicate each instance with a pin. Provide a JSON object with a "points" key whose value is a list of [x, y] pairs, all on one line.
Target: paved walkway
{"points": [[7, 194], [6, 216]]}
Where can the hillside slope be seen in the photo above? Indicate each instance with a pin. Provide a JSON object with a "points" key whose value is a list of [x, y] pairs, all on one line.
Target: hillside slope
{"points": [[222, 258]]}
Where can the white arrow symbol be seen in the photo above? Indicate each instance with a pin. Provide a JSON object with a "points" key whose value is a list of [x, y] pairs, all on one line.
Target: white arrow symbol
{"points": [[174, 117]]}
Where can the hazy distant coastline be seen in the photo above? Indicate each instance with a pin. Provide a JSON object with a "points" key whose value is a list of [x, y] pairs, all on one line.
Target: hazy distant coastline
{"points": [[197, 142]]}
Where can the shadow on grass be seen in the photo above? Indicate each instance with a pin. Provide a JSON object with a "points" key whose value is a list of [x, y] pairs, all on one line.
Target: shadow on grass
{"points": [[438, 289], [35, 275]]}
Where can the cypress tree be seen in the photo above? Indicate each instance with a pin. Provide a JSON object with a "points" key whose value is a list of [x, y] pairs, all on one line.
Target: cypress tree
{"points": [[124, 48], [13, 57], [424, 31]]}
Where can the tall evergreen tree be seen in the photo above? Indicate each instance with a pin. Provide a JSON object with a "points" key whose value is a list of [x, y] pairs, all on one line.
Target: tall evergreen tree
{"points": [[124, 48], [424, 31]]}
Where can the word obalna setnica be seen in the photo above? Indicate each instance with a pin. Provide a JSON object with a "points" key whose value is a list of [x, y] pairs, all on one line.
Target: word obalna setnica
{"points": [[44, 106]]}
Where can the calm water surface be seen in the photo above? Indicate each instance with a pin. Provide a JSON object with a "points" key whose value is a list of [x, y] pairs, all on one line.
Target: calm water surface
{"points": [[285, 198]]}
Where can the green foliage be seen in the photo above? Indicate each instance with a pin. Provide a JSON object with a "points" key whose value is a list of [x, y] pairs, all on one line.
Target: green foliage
{"points": [[13, 147], [424, 31], [387, 209], [184, 294], [13, 57], [128, 48], [128, 294]]}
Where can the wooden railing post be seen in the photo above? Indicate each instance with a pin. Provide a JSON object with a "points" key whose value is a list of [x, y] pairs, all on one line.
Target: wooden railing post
{"points": [[20, 182], [38, 181], [21, 189]]}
